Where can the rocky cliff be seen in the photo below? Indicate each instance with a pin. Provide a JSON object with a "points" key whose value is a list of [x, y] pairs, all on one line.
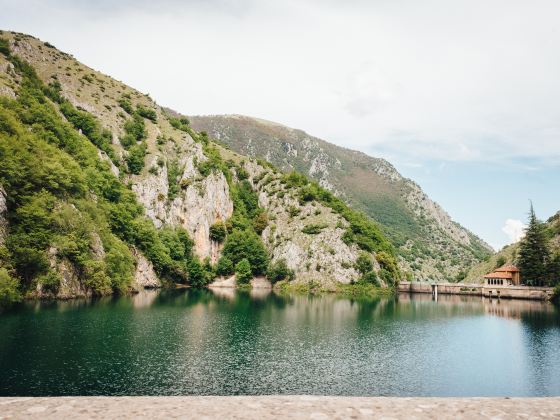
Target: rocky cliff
{"points": [[431, 245], [147, 193]]}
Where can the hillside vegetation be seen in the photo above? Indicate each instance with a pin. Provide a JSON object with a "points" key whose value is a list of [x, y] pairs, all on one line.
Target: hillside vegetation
{"points": [[510, 254], [101, 192], [430, 245]]}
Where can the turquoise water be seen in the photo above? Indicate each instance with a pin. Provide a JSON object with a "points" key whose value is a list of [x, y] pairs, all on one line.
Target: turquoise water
{"points": [[188, 342]]}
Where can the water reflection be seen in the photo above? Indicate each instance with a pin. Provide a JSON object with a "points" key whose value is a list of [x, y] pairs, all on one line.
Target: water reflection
{"points": [[225, 342]]}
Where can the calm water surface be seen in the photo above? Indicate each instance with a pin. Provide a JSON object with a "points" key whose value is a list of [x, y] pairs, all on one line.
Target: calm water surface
{"points": [[185, 342]]}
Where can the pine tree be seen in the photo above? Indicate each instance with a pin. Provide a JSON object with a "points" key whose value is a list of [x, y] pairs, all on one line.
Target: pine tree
{"points": [[533, 253]]}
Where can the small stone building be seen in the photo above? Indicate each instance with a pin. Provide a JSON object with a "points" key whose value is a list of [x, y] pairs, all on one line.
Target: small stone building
{"points": [[507, 275]]}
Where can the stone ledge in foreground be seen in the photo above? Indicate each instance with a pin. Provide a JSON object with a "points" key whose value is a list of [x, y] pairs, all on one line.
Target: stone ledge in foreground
{"points": [[262, 407]]}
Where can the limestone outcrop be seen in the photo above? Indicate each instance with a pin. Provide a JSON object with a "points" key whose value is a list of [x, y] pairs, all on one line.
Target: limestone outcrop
{"points": [[145, 276]]}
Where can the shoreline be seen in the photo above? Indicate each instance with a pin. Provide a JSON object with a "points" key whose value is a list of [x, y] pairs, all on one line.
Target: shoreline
{"points": [[275, 406]]}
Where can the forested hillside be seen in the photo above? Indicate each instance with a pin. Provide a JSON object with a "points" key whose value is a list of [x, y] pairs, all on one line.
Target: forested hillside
{"points": [[537, 254], [101, 192]]}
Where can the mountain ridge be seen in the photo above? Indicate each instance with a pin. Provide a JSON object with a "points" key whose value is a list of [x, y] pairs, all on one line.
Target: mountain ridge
{"points": [[136, 197], [370, 184]]}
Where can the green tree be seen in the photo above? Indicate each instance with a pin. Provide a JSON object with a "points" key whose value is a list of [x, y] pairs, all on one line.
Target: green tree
{"points": [[218, 231], [533, 253], [197, 276], [278, 271], [243, 272], [135, 158], [246, 245], [9, 288], [500, 261], [370, 277], [364, 263], [260, 222], [224, 267]]}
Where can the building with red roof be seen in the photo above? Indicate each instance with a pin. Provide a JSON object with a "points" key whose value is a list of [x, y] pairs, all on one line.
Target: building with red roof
{"points": [[506, 275]]}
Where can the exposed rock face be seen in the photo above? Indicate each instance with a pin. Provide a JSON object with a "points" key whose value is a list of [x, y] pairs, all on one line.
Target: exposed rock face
{"points": [[322, 257], [70, 283], [431, 245], [3, 215], [436, 213], [144, 277], [223, 282], [199, 204]]}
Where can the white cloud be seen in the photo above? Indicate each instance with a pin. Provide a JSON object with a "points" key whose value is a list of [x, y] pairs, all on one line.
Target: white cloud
{"points": [[467, 80], [514, 229], [432, 85]]}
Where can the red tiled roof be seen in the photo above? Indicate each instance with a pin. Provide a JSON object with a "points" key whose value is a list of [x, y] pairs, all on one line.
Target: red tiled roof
{"points": [[498, 275], [508, 267]]}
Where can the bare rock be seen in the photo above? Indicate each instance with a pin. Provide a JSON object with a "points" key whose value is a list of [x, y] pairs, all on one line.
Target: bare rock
{"points": [[70, 284], [228, 282], [145, 276]]}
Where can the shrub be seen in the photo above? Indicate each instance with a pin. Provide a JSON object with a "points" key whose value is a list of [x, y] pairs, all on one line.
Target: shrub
{"points": [[197, 277], [96, 278], [50, 282], [242, 174], [387, 276], [243, 273], [462, 275], [293, 211], [371, 278], [218, 231], [89, 126], [145, 112], [9, 288], [260, 223], [387, 261], [135, 158], [313, 229], [4, 47], [135, 128], [181, 124], [294, 179], [173, 173], [224, 267], [125, 104], [278, 271], [364, 263]]}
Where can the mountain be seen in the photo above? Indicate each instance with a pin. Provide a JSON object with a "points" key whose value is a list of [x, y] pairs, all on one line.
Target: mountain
{"points": [[509, 253], [430, 244], [101, 191]]}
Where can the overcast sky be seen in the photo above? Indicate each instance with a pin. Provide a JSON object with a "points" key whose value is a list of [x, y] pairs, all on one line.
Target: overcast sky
{"points": [[461, 96]]}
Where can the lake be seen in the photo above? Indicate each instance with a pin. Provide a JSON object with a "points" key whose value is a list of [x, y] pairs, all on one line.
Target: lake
{"points": [[224, 342]]}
